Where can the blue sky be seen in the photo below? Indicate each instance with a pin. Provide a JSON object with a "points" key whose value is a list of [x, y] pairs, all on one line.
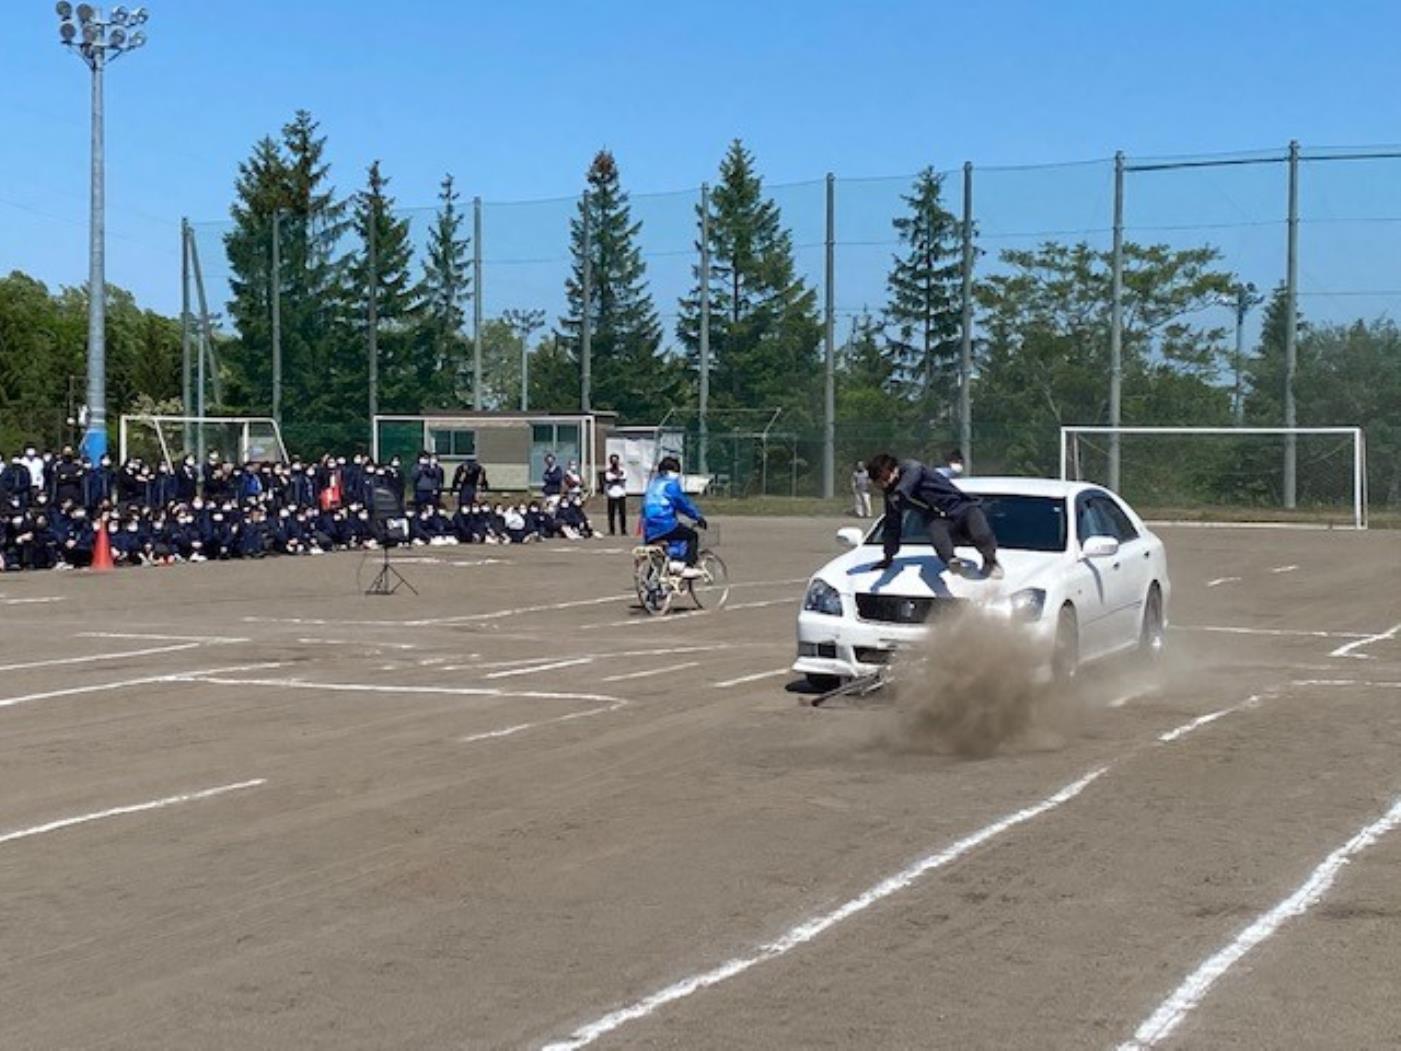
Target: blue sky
{"points": [[515, 98]]}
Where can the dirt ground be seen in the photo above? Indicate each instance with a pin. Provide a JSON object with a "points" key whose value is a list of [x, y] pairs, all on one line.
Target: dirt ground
{"points": [[245, 806]]}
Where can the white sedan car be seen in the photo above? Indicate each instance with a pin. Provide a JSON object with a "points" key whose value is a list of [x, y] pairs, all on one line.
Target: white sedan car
{"points": [[1081, 570]]}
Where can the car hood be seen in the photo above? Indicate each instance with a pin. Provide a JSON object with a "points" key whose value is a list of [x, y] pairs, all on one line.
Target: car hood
{"points": [[917, 572]]}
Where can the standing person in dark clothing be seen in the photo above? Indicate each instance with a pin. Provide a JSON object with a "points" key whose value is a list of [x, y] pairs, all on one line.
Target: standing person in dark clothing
{"points": [[949, 515], [427, 482], [394, 476], [68, 478], [468, 480], [186, 480], [553, 479], [615, 487], [99, 484]]}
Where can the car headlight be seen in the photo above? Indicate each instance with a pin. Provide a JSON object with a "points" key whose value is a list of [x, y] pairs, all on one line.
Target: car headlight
{"points": [[822, 597], [1027, 603]]}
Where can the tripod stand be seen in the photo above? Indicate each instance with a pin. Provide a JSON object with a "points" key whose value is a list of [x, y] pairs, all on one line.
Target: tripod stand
{"points": [[388, 580]]}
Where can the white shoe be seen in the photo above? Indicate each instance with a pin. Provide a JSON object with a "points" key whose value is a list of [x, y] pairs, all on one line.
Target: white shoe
{"points": [[691, 573]]}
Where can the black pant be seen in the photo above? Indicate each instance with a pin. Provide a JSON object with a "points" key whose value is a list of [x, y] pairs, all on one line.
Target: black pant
{"points": [[618, 505], [682, 532], [969, 529]]}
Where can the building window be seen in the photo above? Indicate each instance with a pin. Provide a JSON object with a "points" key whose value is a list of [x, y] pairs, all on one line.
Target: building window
{"points": [[452, 442]]}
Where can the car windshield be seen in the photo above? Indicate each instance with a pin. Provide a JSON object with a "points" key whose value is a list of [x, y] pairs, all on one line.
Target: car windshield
{"points": [[1023, 523]]}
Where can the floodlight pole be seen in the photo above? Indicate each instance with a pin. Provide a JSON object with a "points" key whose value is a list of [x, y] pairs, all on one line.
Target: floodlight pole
{"points": [[829, 338], [185, 392], [585, 335], [95, 440], [965, 360], [276, 289], [372, 305], [477, 401]]}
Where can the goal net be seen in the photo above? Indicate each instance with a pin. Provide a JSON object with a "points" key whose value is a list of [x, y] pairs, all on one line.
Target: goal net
{"points": [[168, 439], [1308, 475]]}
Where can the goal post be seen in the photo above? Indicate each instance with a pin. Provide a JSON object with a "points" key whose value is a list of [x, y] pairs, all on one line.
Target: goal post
{"points": [[1227, 474], [169, 439]]}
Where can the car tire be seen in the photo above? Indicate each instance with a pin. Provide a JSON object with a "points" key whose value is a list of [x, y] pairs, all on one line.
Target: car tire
{"points": [[1152, 637], [823, 683], [1065, 657]]}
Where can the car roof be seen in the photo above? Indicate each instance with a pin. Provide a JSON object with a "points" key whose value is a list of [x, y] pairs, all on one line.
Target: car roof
{"points": [[1012, 486]]}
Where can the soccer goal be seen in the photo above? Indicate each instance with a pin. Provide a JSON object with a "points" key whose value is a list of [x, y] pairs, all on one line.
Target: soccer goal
{"points": [[1252, 475], [169, 439]]}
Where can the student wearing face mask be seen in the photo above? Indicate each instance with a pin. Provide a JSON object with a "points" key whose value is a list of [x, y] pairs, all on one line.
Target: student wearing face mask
{"points": [[68, 478], [99, 484], [953, 464], [14, 482], [34, 464]]}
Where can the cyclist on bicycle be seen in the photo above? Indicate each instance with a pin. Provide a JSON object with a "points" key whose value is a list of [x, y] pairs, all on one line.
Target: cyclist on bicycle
{"points": [[664, 499]]}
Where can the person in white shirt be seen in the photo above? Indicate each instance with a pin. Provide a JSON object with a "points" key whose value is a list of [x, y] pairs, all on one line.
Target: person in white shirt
{"points": [[615, 487], [861, 490], [573, 480], [34, 463]]}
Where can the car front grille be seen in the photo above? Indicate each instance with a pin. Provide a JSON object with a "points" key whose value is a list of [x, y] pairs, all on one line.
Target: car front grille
{"points": [[818, 649], [872, 655], [899, 609]]}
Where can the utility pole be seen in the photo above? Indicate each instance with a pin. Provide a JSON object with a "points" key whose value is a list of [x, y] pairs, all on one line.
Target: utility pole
{"points": [[1116, 324], [98, 40], [1291, 450], [276, 287], [965, 361], [185, 395], [372, 306], [829, 425], [477, 400], [702, 459], [585, 342]]}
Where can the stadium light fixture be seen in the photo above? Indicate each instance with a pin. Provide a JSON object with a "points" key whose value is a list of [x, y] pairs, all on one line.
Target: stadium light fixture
{"points": [[98, 41]]}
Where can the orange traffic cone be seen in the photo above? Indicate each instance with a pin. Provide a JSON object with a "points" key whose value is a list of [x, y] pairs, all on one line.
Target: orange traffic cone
{"points": [[102, 548]]}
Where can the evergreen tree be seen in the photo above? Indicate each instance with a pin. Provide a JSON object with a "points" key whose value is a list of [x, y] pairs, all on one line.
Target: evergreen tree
{"points": [[405, 378], [764, 327], [624, 333], [1264, 398], [924, 308], [447, 285], [554, 376]]}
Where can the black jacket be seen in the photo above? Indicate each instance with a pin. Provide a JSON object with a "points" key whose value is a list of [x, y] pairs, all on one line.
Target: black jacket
{"points": [[926, 492]]}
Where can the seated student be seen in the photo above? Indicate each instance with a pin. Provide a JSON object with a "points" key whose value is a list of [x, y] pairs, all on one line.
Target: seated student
{"points": [[254, 538], [185, 535], [219, 531], [513, 523], [360, 529], [37, 545], [440, 528], [420, 526], [156, 546], [10, 528], [464, 524], [76, 538], [495, 523], [125, 537], [584, 525], [537, 522]]}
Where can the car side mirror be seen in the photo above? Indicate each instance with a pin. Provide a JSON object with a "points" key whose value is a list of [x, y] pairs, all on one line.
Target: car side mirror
{"points": [[850, 536], [1100, 547]]}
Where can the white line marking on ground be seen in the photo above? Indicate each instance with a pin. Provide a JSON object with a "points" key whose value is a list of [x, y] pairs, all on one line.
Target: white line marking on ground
{"points": [[532, 669], [369, 644], [650, 671], [1346, 682], [70, 691], [1221, 580], [100, 657], [1186, 728], [750, 678], [155, 804], [1231, 630], [160, 638], [1193, 990], [512, 730], [1284, 569], [30, 601], [1346, 650], [361, 687], [1123, 699], [820, 924]]}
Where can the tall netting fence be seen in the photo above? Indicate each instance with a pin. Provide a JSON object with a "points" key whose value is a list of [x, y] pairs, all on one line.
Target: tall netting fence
{"points": [[1205, 268]]}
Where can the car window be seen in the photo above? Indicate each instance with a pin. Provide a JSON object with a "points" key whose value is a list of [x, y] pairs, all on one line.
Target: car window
{"points": [[1024, 523], [1109, 508]]}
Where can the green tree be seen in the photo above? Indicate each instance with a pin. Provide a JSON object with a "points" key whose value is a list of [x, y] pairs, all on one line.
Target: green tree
{"points": [[1044, 359], [628, 372], [924, 306], [554, 376], [446, 287], [764, 328], [407, 376]]}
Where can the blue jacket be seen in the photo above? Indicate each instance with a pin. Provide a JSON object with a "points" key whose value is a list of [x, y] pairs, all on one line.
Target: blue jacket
{"points": [[664, 498]]}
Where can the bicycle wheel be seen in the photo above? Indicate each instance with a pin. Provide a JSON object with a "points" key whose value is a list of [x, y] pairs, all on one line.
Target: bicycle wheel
{"points": [[653, 592], [711, 590]]}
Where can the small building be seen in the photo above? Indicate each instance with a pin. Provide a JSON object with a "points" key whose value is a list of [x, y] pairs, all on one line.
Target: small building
{"points": [[511, 446]]}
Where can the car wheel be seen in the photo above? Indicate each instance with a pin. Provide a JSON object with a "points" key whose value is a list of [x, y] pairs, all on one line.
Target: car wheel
{"points": [[823, 683], [1152, 638], [1065, 658]]}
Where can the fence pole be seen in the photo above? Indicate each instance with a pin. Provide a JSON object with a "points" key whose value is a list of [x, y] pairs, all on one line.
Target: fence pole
{"points": [[1291, 332], [829, 426], [186, 409], [1116, 323], [965, 363], [585, 341], [372, 307], [276, 283], [477, 400], [704, 339]]}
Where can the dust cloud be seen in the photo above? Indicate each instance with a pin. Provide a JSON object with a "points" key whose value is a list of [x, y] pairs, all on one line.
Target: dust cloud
{"points": [[980, 684]]}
